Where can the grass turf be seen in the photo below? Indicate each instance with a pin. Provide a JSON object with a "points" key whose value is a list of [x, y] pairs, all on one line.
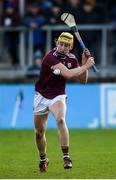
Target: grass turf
{"points": [[93, 153]]}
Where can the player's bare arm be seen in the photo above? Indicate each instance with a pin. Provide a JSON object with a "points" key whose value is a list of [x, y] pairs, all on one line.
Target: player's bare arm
{"points": [[84, 77], [72, 73]]}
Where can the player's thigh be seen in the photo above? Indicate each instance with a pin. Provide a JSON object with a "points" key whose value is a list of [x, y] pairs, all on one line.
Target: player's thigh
{"points": [[59, 109], [40, 121]]}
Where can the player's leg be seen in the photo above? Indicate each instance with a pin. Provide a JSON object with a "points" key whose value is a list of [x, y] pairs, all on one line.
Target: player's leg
{"points": [[59, 111], [40, 129]]}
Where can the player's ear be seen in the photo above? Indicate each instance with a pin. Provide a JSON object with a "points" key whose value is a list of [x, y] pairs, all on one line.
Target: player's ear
{"points": [[56, 41], [71, 47]]}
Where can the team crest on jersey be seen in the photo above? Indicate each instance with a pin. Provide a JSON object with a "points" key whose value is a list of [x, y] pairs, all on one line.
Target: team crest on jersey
{"points": [[69, 65]]}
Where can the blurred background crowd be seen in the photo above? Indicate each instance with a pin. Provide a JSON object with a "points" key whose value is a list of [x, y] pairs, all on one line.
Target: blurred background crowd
{"points": [[39, 16]]}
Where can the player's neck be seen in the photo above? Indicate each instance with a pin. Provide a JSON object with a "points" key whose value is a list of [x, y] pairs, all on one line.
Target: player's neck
{"points": [[60, 54]]}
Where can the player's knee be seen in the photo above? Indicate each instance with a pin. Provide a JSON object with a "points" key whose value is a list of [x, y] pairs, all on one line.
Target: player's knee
{"points": [[39, 133], [61, 121]]}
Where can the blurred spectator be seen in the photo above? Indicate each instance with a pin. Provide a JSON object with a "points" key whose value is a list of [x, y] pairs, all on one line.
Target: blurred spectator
{"points": [[52, 7], [34, 70], [87, 16], [34, 20], [46, 7], [11, 18], [60, 3], [102, 9], [11, 2], [54, 18], [73, 7]]}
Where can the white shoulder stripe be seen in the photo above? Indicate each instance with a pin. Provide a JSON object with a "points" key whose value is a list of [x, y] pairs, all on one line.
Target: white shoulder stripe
{"points": [[70, 55]]}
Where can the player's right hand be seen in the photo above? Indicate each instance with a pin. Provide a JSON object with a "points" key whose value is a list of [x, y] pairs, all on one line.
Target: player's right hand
{"points": [[90, 62], [85, 55]]}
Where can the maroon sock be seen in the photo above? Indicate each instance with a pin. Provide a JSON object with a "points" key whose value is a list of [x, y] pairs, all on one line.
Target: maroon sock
{"points": [[65, 150], [42, 157]]}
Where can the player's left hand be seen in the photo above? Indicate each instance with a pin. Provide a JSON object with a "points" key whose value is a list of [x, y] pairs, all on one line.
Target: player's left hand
{"points": [[86, 54]]}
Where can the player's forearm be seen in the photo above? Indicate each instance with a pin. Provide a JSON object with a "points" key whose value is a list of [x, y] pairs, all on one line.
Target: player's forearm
{"points": [[83, 78], [72, 73], [76, 72]]}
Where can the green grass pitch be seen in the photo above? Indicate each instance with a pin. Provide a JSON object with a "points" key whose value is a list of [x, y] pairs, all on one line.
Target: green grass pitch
{"points": [[93, 153]]}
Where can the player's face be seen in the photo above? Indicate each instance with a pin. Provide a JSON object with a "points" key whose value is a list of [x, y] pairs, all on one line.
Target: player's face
{"points": [[63, 47]]}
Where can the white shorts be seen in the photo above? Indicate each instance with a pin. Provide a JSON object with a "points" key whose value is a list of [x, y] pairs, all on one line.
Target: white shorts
{"points": [[41, 104]]}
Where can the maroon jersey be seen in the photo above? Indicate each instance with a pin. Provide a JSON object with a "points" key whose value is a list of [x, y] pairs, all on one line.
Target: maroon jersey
{"points": [[50, 85]]}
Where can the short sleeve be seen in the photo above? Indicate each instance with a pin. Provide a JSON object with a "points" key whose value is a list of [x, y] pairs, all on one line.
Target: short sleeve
{"points": [[50, 60]]}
